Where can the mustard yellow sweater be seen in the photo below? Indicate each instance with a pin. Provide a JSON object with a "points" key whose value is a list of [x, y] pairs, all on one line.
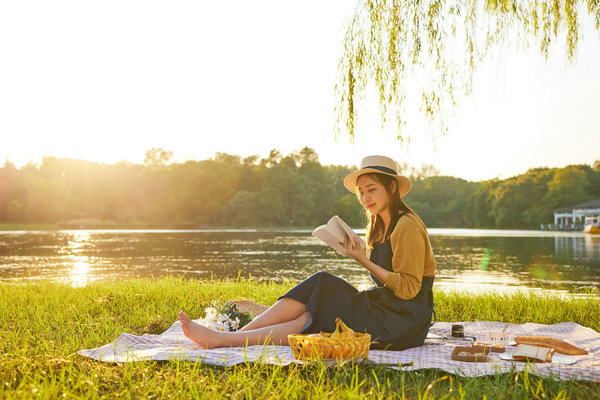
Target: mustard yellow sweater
{"points": [[412, 257]]}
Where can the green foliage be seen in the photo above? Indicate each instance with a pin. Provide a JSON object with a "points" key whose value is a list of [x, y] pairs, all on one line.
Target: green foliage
{"points": [[477, 212], [569, 184], [350, 210], [441, 200], [242, 209], [292, 190], [528, 200], [427, 51], [231, 311], [280, 191]]}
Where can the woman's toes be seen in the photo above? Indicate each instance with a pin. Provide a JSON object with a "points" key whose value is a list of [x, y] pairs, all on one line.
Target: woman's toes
{"points": [[183, 317], [205, 337]]}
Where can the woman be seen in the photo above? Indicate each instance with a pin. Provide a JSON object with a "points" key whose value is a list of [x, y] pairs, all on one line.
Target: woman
{"points": [[396, 312]]}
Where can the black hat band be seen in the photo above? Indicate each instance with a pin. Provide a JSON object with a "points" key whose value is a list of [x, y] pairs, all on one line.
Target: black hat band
{"points": [[383, 169]]}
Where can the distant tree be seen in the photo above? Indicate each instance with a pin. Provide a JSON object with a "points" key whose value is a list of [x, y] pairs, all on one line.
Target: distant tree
{"points": [[441, 200], [318, 184], [290, 190], [426, 171], [228, 158], [537, 215], [593, 177], [157, 157], [251, 172], [389, 42], [478, 213], [129, 200], [350, 210], [538, 212], [512, 197], [272, 207], [569, 186], [242, 210], [44, 200], [11, 186], [13, 210], [272, 159], [336, 174], [308, 156], [199, 191], [296, 199]]}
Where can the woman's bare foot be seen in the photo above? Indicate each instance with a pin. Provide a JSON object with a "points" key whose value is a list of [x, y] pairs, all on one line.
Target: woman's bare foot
{"points": [[203, 336]]}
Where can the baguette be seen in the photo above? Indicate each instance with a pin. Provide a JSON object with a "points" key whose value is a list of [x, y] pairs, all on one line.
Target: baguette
{"points": [[558, 345]]}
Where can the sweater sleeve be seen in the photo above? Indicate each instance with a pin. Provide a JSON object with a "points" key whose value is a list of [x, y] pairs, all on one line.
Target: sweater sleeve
{"points": [[408, 260]]}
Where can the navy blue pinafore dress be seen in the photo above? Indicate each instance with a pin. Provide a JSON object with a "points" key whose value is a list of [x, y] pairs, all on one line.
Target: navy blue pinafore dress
{"points": [[394, 323]]}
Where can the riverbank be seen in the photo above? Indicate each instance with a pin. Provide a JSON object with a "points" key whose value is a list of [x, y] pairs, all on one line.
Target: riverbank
{"points": [[43, 324]]}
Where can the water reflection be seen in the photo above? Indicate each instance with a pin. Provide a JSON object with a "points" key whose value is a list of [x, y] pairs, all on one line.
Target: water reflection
{"points": [[80, 265], [466, 260], [585, 248], [560, 263], [79, 273]]}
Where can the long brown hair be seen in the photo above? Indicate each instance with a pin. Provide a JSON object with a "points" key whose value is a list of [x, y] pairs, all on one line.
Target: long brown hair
{"points": [[375, 224]]}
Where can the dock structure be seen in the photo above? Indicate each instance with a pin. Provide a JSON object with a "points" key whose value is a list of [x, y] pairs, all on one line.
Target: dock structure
{"points": [[575, 217]]}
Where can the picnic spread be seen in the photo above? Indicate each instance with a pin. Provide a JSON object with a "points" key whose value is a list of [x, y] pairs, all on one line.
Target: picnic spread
{"points": [[442, 351]]}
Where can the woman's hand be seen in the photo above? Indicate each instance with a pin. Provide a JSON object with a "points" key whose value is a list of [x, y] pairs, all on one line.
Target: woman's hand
{"points": [[354, 250]]}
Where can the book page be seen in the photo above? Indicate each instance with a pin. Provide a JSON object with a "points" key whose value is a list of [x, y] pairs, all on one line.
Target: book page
{"points": [[335, 232], [337, 229], [349, 232], [330, 239]]}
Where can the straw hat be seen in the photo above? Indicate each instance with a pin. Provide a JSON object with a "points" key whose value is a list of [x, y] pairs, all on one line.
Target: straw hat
{"points": [[380, 165]]}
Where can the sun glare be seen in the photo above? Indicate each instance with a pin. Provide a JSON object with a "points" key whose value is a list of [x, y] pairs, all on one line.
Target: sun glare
{"points": [[80, 268]]}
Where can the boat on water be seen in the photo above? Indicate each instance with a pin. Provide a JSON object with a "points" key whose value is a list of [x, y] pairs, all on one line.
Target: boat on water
{"points": [[592, 225]]}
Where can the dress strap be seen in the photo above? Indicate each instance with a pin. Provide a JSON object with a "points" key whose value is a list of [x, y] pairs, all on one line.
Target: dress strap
{"points": [[427, 288], [427, 282]]}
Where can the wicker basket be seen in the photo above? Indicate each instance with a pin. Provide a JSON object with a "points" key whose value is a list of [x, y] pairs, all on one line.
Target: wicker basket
{"points": [[330, 346], [249, 306]]}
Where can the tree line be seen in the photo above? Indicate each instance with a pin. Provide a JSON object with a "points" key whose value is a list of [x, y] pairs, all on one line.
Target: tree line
{"points": [[293, 190]]}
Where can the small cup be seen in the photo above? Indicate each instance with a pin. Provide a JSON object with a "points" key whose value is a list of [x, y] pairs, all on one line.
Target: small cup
{"points": [[458, 331], [498, 337]]}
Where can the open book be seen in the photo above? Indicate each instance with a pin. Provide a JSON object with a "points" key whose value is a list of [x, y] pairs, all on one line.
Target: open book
{"points": [[334, 232]]}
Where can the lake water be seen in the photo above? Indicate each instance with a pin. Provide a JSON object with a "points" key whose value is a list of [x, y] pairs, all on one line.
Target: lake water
{"points": [[467, 259]]}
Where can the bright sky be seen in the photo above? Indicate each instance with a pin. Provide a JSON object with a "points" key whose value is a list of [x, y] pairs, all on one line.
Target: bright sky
{"points": [[105, 81]]}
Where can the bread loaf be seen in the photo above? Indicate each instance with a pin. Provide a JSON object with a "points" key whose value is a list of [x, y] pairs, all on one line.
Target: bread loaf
{"points": [[558, 345]]}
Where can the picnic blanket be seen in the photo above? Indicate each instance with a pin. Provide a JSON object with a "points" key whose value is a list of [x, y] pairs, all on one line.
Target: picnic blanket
{"points": [[435, 354]]}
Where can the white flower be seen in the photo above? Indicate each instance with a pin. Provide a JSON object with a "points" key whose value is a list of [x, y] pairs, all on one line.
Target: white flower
{"points": [[211, 312], [220, 322]]}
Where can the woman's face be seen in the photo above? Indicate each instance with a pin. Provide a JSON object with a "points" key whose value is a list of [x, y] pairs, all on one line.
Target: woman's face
{"points": [[372, 194]]}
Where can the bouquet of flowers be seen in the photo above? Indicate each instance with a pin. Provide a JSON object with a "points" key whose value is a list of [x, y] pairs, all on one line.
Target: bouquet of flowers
{"points": [[226, 318]]}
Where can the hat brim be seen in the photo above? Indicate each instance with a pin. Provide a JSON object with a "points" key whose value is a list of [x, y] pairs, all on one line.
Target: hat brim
{"points": [[404, 184]]}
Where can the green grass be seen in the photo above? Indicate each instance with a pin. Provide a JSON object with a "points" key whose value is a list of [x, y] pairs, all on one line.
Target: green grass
{"points": [[43, 324]]}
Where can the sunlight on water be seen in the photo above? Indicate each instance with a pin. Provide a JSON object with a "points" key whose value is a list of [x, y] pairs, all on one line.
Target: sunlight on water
{"points": [[78, 275], [363, 283]]}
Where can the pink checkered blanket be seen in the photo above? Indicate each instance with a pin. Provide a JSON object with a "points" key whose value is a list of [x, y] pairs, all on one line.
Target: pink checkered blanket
{"points": [[435, 354]]}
